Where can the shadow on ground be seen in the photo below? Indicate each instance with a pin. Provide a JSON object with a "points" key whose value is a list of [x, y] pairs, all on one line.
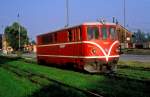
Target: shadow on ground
{"points": [[50, 90], [55, 90], [4, 59]]}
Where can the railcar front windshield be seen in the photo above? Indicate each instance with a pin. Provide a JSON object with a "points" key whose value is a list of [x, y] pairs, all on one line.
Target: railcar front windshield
{"points": [[112, 32], [103, 32], [93, 33]]}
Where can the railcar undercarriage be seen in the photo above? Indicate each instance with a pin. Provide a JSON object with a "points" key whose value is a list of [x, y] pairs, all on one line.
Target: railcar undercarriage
{"points": [[99, 67]]}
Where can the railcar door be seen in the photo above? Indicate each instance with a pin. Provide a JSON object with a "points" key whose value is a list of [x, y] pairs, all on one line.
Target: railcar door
{"points": [[78, 46], [70, 48]]}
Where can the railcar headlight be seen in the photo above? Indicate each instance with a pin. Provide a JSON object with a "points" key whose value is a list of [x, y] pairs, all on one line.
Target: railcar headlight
{"points": [[118, 50], [94, 51]]}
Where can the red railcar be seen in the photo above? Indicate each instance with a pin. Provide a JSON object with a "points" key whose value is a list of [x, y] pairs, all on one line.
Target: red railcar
{"points": [[93, 47]]}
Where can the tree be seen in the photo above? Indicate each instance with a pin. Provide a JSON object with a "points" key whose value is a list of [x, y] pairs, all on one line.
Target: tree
{"points": [[0, 41], [33, 42], [12, 36], [148, 37], [139, 36]]}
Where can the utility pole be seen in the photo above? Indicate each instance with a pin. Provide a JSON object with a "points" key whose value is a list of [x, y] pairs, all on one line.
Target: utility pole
{"points": [[2, 39], [67, 13], [124, 23], [4, 44], [19, 30]]}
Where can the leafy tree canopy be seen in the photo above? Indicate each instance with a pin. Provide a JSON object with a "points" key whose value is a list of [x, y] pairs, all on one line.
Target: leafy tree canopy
{"points": [[140, 37], [12, 35]]}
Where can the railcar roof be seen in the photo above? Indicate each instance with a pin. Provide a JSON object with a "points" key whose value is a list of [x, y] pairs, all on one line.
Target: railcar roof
{"points": [[86, 23], [98, 23]]}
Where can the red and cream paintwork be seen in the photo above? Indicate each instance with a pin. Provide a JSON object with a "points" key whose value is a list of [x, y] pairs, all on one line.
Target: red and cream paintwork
{"points": [[83, 54]]}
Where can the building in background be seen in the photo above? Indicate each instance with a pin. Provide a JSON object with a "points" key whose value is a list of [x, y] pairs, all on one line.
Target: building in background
{"points": [[30, 48], [6, 49], [146, 45], [124, 35]]}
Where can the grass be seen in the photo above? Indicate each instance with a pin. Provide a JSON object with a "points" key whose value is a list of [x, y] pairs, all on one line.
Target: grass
{"points": [[135, 64], [12, 86], [96, 83], [134, 69], [135, 74]]}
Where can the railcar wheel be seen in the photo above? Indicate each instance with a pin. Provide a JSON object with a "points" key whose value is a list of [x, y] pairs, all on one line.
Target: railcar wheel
{"points": [[113, 68], [104, 69], [92, 67], [100, 68], [41, 62]]}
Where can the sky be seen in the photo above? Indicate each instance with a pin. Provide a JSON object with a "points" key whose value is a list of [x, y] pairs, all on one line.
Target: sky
{"points": [[41, 16]]}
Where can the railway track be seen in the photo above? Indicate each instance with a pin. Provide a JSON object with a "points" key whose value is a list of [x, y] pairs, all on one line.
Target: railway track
{"points": [[29, 75], [118, 76], [134, 68]]}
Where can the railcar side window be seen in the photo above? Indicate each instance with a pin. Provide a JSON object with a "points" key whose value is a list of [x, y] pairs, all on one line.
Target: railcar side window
{"points": [[70, 35], [90, 33], [112, 33], [46, 39], [78, 34], [104, 33], [93, 33], [55, 37]]}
